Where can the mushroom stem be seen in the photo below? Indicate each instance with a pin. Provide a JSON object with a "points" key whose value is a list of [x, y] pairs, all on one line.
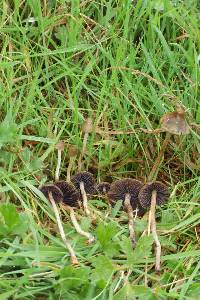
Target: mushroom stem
{"points": [[78, 228], [85, 200], [129, 209], [153, 230], [69, 168], [58, 165], [67, 244], [156, 165], [83, 151]]}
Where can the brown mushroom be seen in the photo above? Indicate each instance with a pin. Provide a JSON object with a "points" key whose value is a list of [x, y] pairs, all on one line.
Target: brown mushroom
{"points": [[55, 195], [85, 182], [71, 197], [150, 195], [127, 190], [103, 187], [171, 123]]}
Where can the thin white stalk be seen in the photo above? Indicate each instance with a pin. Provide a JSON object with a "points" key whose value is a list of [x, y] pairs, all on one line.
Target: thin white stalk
{"points": [[58, 166], [153, 230], [129, 209], [85, 200], [69, 168], [85, 138], [67, 244], [149, 224], [78, 228]]}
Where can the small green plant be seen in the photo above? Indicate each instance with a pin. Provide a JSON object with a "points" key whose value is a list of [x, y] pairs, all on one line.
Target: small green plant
{"points": [[12, 222]]}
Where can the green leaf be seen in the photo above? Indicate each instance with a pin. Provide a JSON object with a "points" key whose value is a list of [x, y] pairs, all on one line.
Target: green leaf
{"points": [[11, 222], [103, 270], [142, 250], [194, 290], [129, 291], [31, 162], [73, 278], [116, 208], [8, 294], [8, 131], [105, 234]]}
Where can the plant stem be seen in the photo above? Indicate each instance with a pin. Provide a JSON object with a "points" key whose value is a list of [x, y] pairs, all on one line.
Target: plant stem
{"points": [[153, 229], [85, 200], [129, 209], [69, 168], [83, 151], [154, 170], [78, 228], [67, 244], [58, 166]]}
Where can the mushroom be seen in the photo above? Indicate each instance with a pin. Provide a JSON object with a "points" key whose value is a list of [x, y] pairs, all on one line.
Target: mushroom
{"points": [[127, 190], [70, 198], [87, 128], [103, 187], [85, 182], [171, 123], [54, 194], [150, 195], [60, 147], [72, 152]]}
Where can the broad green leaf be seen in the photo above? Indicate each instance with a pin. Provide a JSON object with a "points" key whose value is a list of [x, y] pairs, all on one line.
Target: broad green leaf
{"points": [[8, 131], [105, 234], [103, 270], [8, 294], [11, 222], [31, 162], [194, 290], [142, 250], [132, 292], [73, 278]]}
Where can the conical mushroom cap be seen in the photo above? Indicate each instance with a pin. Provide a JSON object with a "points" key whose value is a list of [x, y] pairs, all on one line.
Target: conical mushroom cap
{"points": [[146, 193], [70, 194], [175, 123], [54, 190], [88, 179], [120, 188]]}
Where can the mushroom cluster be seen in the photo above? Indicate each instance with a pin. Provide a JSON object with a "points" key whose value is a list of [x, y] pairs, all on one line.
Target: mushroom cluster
{"points": [[136, 197]]}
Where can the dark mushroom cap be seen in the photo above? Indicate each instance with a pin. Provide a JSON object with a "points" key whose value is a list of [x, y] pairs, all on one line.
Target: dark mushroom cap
{"points": [[141, 210], [120, 188], [88, 179], [146, 193], [103, 187], [70, 194], [54, 190]]}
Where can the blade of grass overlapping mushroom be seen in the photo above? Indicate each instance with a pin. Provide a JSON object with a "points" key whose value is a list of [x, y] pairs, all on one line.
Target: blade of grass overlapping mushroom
{"points": [[127, 190], [54, 194]]}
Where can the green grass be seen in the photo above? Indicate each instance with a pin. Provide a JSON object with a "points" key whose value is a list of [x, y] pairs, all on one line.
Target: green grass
{"points": [[124, 64]]}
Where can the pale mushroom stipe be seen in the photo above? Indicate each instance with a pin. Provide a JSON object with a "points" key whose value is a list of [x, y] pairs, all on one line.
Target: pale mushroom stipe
{"points": [[71, 197], [54, 194], [85, 182], [150, 195], [127, 190]]}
